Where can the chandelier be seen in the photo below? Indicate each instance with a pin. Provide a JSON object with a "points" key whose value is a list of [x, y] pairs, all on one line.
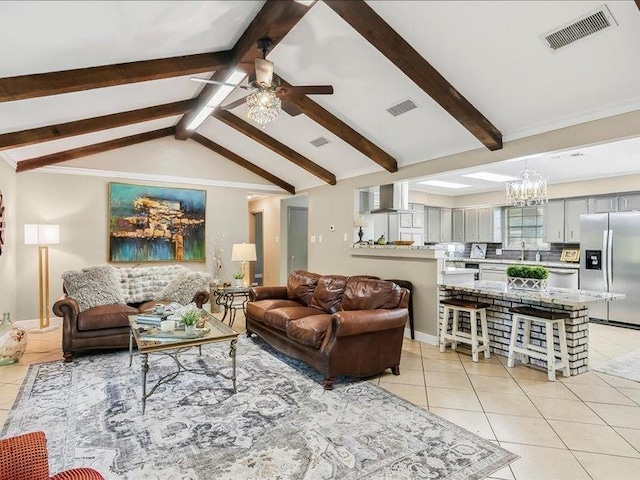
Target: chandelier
{"points": [[264, 106], [528, 189]]}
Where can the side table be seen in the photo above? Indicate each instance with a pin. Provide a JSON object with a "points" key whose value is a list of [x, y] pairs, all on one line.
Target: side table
{"points": [[231, 299]]}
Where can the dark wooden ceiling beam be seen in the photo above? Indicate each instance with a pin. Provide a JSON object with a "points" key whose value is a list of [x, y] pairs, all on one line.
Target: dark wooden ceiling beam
{"points": [[336, 126], [638, 4], [262, 138], [274, 20], [68, 81], [385, 39], [89, 125], [237, 159], [38, 162]]}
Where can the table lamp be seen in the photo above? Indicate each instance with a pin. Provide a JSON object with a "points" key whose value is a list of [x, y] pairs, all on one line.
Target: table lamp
{"points": [[243, 253], [43, 236], [360, 223]]}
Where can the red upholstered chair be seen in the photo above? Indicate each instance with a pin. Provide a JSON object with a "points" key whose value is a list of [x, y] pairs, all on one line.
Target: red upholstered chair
{"points": [[25, 458]]}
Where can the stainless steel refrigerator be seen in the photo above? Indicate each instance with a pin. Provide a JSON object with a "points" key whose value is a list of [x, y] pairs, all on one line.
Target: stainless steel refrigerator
{"points": [[610, 262]]}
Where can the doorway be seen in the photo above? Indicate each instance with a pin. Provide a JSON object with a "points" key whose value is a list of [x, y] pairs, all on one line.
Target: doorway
{"points": [[297, 227], [257, 272]]}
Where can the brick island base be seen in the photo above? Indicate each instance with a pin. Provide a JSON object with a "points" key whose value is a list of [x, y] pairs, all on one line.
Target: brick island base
{"points": [[496, 294]]}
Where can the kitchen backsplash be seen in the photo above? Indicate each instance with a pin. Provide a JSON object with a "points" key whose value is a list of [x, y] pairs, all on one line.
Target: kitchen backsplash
{"points": [[552, 255]]}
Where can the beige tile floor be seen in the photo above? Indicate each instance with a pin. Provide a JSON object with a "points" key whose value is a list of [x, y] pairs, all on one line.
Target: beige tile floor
{"points": [[586, 426]]}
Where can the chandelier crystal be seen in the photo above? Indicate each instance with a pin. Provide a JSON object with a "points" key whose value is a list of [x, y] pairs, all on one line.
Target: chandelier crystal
{"points": [[529, 189], [264, 106]]}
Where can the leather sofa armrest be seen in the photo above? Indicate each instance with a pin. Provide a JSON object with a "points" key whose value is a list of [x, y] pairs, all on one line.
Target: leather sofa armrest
{"points": [[356, 322], [200, 298], [266, 293], [67, 308]]}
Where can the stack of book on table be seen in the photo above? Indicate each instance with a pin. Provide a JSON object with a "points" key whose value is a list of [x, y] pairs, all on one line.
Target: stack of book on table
{"points": [[151, 318]]}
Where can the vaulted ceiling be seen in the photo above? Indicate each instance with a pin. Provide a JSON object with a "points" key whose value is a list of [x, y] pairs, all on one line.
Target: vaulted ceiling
{"points": [[78, 78]]}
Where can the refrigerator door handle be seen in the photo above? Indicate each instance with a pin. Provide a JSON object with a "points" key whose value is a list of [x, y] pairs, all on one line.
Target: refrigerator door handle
{"points": [[605, 262], [610, 261]]}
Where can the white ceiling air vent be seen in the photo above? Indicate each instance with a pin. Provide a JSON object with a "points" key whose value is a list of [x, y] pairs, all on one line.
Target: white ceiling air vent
{"points": [[320, 141], [584, 26], [402, 107]]}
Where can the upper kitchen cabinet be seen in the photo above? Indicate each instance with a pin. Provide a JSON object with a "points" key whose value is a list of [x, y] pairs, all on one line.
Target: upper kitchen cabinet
{"points": [[417, 220], [445, 225], [471, 233], [629, 202], [603, 204], [432, 233], [553, 222], [489, 224], [573, 208], [458, 224]]}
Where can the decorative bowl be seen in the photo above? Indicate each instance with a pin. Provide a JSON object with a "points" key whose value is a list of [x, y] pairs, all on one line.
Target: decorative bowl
{"points": [[403, 242]]}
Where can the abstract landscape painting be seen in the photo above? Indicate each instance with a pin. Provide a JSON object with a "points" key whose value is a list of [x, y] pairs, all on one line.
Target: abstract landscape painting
{"points": [[156, 224]]}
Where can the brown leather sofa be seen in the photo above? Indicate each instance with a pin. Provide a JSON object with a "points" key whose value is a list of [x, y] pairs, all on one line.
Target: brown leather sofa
{"points": [[102, 327], [339, 325]]}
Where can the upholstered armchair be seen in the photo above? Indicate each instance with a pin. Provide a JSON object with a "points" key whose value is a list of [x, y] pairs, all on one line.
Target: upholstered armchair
{"points": [[25, 457]]}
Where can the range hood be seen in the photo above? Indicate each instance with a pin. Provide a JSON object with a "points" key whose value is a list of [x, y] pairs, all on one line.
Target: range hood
{"points": [[394, 198]]}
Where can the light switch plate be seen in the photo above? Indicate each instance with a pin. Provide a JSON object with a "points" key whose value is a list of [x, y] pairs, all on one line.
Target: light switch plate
{"points": [[312, 239], [498, 251], [346, 237], [320, 238]]}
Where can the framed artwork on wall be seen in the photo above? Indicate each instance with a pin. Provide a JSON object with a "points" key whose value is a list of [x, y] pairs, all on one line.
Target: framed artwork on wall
{"points": [[156, 224]]}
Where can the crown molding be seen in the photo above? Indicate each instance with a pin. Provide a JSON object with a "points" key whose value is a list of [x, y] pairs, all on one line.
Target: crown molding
{"points": [[7, 158], [90, 172]]}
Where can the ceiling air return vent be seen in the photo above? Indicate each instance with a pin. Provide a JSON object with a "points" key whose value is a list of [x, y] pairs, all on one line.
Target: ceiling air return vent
{"points": [[402, 107], [320, 141], [584, 26]]}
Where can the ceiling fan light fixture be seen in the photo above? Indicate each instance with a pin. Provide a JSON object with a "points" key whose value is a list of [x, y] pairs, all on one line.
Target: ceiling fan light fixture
{"points": [[264, 106]]}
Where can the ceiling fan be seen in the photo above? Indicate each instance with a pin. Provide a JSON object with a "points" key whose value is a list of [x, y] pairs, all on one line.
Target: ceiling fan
{"points": [[267, 94]]}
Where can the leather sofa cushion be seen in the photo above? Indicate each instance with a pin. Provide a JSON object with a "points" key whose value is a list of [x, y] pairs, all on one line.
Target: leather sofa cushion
{"points": [[300, 286], [105, 316], [310, 330], [257, 310], [279, 317], [328, 293], [369, 294]]}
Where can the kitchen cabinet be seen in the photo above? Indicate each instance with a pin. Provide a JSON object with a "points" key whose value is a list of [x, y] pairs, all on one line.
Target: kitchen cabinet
{"points": [[445, 225], [489, 224], [573, 208], [458, 224], [406, 220], [432, 233], [603, 204], [629, 202], [417, 219], [471, 233], [553, 222]]}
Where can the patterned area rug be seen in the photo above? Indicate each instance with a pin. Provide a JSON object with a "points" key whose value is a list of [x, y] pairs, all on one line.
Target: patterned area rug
{"points": [[626, 366], [281, 423]]}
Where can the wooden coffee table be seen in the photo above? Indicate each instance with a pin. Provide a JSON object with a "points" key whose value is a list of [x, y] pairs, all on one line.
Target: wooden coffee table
{"points": [[172, 344]]}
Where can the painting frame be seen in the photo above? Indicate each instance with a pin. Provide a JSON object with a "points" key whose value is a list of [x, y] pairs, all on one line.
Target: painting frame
{"points": [[158, 224]]}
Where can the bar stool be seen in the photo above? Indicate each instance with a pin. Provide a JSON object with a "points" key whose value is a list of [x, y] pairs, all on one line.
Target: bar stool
{"points": [[473, 309], [531, 315]]}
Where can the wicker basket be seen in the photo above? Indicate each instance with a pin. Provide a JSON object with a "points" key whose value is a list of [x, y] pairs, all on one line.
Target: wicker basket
{"points": [[519, 283]]}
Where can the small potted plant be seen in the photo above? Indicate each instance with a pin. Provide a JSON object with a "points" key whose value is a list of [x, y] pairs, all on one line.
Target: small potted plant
{"points": [[527, 277], [238, 277], [189, 319]]}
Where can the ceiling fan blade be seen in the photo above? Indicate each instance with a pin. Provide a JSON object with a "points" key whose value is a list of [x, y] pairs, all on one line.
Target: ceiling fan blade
{"points": [[305, 90], [213, 82], [264, 71], [290, 108], [237, 103]]}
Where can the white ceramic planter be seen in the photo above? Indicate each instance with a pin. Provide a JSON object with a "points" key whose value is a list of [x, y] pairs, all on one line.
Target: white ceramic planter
{"points": [[519, 283]]}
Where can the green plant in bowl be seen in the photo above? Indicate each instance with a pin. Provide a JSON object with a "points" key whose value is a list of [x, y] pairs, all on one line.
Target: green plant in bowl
{"points": [[526, 271], [238, 275], [190, 317]]}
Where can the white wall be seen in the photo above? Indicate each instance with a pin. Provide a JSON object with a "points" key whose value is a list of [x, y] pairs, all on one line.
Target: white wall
{"points": [[9, 250]]}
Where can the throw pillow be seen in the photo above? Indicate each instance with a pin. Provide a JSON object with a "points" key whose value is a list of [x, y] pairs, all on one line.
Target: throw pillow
{"points": [[93, 286], [184, 287]]}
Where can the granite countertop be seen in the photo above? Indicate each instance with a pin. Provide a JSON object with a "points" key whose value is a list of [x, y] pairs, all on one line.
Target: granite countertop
{"points": [[557, 296], [397, 247], [459, 271], [514, 262]]}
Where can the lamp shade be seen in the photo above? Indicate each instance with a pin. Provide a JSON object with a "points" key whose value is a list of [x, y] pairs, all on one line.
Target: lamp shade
{"points": [[40, 234], [243, 252], [359, 221]]}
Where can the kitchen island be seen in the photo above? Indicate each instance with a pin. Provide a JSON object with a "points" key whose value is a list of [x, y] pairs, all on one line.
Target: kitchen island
{"points": [[501, 298]]}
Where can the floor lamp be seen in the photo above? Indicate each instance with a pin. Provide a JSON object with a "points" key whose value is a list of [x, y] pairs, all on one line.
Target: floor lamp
{"points": [[244, 253], [43, 236]]}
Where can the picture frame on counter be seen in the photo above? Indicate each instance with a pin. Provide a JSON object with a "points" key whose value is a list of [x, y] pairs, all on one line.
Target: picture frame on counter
{"points": [[570, 255]]}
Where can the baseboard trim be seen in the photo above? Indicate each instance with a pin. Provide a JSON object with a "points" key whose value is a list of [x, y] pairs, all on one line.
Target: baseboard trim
{"points": [[33, 326], [422, 337]]}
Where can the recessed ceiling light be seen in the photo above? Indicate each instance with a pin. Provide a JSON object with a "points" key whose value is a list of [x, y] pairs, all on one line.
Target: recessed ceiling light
{"points": [[490, 177], [439, 183]]}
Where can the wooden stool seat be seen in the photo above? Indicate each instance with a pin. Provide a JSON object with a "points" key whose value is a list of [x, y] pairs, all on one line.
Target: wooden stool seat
{"points": [[549, 320], [474, 309]]}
